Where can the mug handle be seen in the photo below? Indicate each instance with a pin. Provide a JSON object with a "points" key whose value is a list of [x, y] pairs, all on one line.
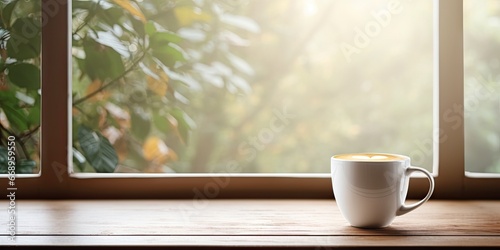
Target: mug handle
{"points": [[407, 208]]}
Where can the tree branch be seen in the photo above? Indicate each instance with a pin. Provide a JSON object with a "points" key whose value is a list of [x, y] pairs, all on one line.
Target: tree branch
{"points": [[29, 133], [112, 82]]}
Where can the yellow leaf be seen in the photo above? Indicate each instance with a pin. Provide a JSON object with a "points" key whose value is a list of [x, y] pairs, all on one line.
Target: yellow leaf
{"points": [[94, 86], [121, 146], [134, 10], [154, 149], [158, 85], [74, 112], [187, 15]]}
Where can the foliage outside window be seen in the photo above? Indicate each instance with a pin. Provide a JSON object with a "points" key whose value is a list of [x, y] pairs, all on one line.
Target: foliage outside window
{"points": [[20, 95], [250, 86], [136, 68]]}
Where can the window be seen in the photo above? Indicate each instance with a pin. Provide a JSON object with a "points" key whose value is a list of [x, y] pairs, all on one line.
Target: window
{"points": [[55, 180], [482, 86], [272, 87]]}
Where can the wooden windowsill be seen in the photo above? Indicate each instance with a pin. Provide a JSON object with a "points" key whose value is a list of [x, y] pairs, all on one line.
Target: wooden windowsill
{"points": [[247, 223]]}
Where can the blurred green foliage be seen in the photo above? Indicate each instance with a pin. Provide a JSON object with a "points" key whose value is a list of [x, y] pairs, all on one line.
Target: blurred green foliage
{"points": [[137, 67], [20, 38]]}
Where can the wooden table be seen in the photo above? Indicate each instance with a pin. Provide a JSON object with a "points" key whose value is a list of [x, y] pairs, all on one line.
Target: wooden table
{"points": [[313, 224]]}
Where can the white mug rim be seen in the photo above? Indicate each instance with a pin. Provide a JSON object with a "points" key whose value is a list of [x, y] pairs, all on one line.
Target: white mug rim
{"points": [[403, 158]]}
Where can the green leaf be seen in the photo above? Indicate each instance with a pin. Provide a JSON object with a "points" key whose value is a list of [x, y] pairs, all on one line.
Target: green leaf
{"points": [[16, 116], [23, 166], [160, 39], [112, 16], [34, 115], [4, 160], [169, 54], [25, 75], [74, 129], [25, 39], [81, 64], [138, 27], [150, 28], [97, 150], [141, 122], [161, 123], [101, 61], [7, 12]]}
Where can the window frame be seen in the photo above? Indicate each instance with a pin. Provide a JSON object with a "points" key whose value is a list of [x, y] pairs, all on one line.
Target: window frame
{"points": [[55, 181]]}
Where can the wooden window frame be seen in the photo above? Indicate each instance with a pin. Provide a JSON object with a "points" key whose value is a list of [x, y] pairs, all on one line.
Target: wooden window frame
{"points": [[55, 182]]}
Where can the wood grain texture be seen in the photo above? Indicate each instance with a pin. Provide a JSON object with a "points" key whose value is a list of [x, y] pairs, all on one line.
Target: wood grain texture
{"points": [[313, 242], [245, 223]]}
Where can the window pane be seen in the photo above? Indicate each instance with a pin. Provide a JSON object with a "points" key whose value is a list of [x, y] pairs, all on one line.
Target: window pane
{"points": [[249, 86], [482, 86], [20, 93]]}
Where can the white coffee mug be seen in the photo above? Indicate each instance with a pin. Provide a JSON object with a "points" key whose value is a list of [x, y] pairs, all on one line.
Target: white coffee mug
{"points": [[370, 188]]}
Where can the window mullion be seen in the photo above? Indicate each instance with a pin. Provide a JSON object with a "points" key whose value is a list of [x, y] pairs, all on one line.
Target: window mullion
{"points": [[449, 77], [54, 135]]}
